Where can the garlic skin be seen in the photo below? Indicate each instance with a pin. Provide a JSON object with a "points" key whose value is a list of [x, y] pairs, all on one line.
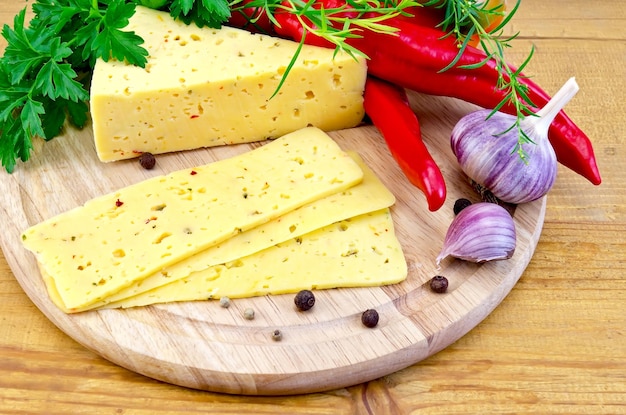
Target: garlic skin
{"points": [[481, 232], [490, 160], [488, 156]]}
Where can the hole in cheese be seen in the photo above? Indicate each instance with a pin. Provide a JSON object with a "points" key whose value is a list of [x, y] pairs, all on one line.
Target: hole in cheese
{"points": [[162, 237], [336, 80]]}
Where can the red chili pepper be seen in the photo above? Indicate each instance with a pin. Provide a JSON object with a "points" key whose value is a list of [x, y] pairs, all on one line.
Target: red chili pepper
{"points": [[414, 58], [244, 17], [388, 107]]}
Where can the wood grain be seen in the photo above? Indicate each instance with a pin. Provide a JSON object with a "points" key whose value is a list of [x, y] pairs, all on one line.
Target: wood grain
{"points": [[556, 345]]}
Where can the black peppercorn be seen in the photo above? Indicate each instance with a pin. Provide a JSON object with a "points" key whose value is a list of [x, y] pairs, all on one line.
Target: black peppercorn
{"points": [[369, 318], [147, 161], [439, 284], [461, 204], [304, 300]]}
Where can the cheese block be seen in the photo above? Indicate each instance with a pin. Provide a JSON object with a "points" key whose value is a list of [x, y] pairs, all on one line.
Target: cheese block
{"points": [[117, 239], [205, 87], [359, 252], [368, 196]]}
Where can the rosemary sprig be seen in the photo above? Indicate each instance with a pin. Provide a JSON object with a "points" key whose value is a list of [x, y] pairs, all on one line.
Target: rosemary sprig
{"points": [[335, 25], [338, 24], [463, 21]]}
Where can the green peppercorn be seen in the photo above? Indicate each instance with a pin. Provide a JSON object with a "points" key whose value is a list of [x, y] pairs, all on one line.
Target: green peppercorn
{"points": [[248, 314], [439, 284], [369, 318], [225, 302], [304, 300], [147, 161], [460, 204]]}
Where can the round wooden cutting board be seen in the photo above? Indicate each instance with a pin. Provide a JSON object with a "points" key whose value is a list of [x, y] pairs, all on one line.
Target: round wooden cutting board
{"points": [[202, 345]]}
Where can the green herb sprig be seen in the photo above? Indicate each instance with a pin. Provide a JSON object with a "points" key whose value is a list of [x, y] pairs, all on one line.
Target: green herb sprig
{"points": [[336, 25], [465, 20], [46, 66], [211, 13], [41, 71], [45, 69]]}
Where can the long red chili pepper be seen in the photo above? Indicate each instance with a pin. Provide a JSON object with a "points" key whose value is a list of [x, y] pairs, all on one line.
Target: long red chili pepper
{"points": [[388, 107], [414, 59], [252, 19]]}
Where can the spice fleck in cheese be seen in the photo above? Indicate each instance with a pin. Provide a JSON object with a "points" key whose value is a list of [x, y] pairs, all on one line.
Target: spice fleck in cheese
{"points": [[368, 196], [205, 87], [359, 252], [115, 240]]}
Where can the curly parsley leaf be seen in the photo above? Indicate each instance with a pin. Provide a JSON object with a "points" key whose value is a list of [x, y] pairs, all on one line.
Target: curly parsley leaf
{"points": [[15, 124], [78, 113], [211, 13], [13, 141], [12, 95], [30, 118], [114, 42], [181, 7], [56, 79], [26, 49]]}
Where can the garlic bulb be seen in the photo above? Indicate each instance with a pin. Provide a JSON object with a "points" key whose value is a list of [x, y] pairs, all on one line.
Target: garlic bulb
{"points": [[488, 156], [480, 232]]}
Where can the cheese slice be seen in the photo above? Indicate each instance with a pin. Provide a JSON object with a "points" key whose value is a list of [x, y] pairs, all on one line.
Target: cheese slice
{"points": [[112, 241], [205, 87], [359, 252], [368, 196]]}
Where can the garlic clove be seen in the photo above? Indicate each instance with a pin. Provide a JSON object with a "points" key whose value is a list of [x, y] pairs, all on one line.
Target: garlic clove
{"points": [[481, 232]]}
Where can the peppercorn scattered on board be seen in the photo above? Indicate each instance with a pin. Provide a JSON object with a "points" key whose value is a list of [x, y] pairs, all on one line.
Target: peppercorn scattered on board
{"points": [[199, 344]]}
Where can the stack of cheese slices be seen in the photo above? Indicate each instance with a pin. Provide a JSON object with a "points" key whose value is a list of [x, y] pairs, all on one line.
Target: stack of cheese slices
{"points": [[296, 213]]}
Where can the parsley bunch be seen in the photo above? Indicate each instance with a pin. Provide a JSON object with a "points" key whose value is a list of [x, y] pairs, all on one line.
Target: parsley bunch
{"points": [[45, 70], [42, 80]]}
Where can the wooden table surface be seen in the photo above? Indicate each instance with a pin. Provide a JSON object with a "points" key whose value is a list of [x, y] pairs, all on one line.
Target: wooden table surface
{"points": [[556, 345]]}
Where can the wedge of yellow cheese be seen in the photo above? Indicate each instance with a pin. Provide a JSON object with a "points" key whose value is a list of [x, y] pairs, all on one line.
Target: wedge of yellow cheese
{"points": [[368, 196], [206, 87], [359, 252], [115, 240]]}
